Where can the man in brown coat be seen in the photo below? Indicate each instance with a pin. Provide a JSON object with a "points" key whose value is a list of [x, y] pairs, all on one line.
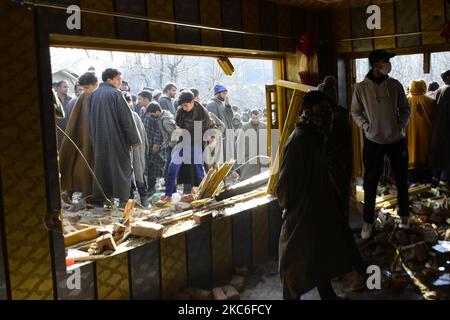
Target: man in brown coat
{"points": [[75, 175]]}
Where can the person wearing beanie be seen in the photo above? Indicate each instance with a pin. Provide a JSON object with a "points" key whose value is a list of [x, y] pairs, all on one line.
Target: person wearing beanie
{"points": [[328, 86], [237, 123], [125, 87], [221, 108], [432, 89], [316, 243], [446, 77], [251, 142], [156, 94]]}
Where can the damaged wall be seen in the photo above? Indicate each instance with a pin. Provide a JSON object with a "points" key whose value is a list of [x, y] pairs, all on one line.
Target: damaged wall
{"points": [[29, 171]]}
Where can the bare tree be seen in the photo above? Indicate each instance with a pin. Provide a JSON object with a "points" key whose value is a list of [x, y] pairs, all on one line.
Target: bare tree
{"points": [[161, 71], [173, 66]]}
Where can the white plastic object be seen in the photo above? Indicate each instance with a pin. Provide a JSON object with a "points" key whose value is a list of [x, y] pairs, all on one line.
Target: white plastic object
{"points": [[176, 197]]}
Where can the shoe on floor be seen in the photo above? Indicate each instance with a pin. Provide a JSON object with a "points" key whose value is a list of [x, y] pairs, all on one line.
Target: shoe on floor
{"points": [[366, 231], [358, 282], [145, 202], [404, 223]]}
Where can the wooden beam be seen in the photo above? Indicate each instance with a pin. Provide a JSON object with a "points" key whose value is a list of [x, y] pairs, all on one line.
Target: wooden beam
{"points": [[68, 41], [294, 86]]}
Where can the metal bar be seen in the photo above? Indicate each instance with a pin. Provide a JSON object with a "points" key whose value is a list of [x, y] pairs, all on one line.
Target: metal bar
{"points": [[162, 21], [390, 36]]}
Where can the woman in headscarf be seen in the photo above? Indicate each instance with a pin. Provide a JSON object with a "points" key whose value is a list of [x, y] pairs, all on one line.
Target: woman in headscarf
{"points": [[418, 131]]}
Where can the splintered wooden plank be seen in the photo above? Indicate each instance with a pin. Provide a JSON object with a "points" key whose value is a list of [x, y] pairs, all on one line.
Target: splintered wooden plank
{"points": [[293, 113]]}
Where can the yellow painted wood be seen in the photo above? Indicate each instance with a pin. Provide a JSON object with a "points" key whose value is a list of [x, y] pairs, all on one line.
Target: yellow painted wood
{"points": [[387, 25], [210, 16], [341, 29], [113, 278], [432, 14], [222, 250], [284, 28], [250, 22], [161, 9], [95, 25], [22, 158], [67, 41], [260, 234], [173, 265]]}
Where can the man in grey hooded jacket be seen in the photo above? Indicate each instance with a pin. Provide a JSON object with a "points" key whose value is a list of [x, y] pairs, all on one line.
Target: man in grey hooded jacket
{"points": [[380, 108], [220, 107]]}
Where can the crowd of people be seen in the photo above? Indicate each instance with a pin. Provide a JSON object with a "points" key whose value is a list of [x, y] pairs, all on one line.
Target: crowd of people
{"points": [[133, 142], [410, 128]]}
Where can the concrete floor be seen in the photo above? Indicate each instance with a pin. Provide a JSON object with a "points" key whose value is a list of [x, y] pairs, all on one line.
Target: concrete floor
{"points": [[263, 283]]}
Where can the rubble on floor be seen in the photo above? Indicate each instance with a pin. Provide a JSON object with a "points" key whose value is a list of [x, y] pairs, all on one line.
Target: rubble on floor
{"points": [[100, 232], [419, 255], [228, 291]]}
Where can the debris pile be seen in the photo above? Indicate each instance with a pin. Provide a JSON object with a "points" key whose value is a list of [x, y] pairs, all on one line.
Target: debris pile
{"points": [[92, 233], [419, 255]]}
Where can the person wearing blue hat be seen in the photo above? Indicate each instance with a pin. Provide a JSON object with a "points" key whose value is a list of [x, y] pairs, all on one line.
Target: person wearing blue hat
{"points": [[220, 107]]}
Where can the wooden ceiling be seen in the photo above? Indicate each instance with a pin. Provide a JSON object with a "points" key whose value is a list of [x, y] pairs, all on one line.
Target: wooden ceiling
{"points": [[328, 4]]}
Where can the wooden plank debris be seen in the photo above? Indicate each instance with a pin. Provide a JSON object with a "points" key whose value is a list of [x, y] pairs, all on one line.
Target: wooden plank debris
{"points": [[203, 216], [391, 200], [129, 209], [147, 229], [106, 242], [80, 236], [211, 184], [119, 228]]}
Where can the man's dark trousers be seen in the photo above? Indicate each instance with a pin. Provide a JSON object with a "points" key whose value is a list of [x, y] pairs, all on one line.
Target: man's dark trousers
{"points": [[373, 155]]}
